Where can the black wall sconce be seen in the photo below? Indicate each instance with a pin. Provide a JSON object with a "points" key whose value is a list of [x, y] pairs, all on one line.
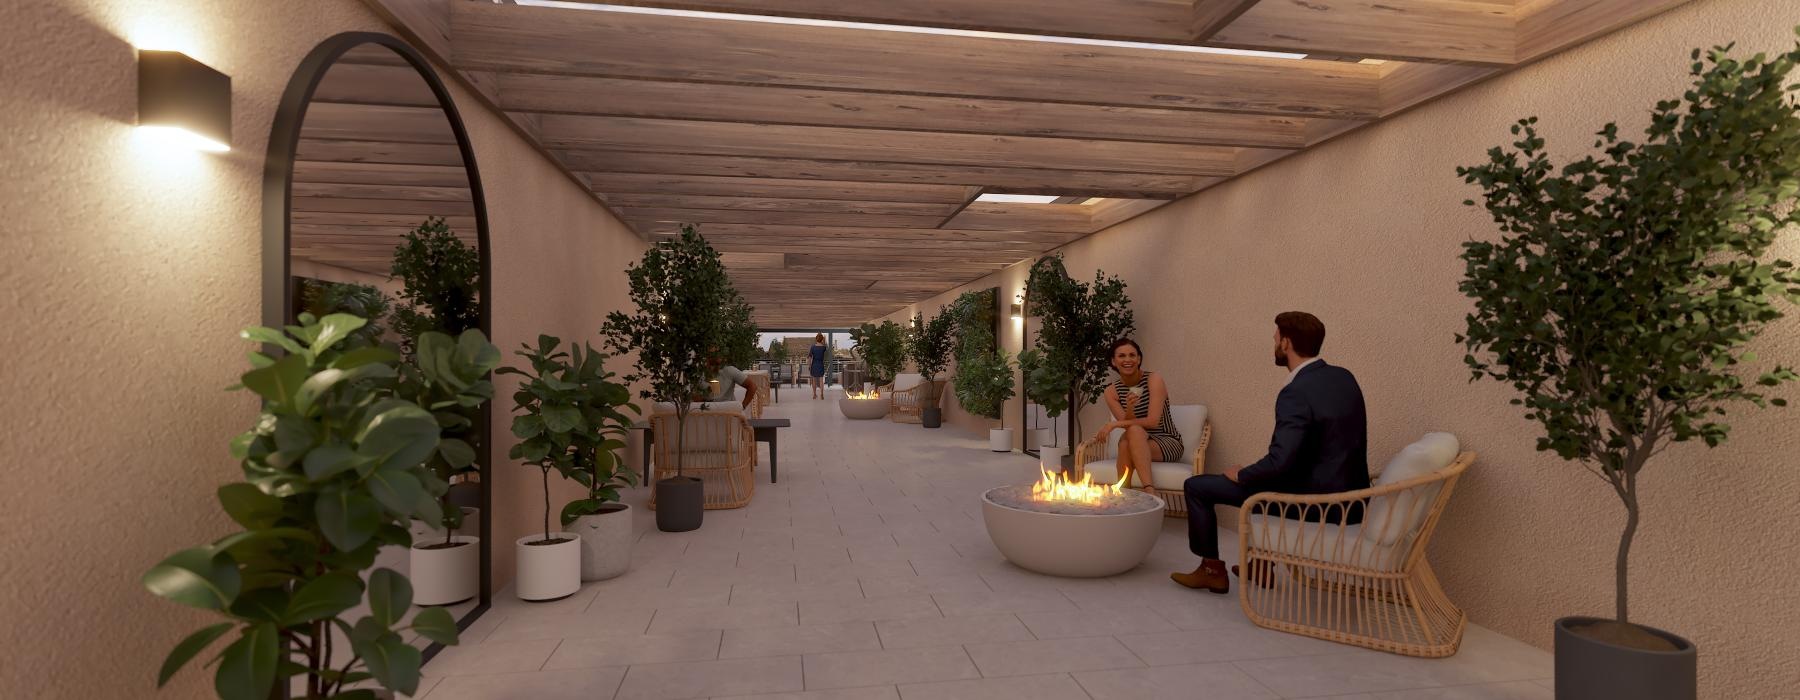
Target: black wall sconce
{"points": [[1018, 307], [184, 100]]}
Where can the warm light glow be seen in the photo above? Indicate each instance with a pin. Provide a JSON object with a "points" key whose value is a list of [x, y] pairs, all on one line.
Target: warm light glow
{"points": [[174, 136], [1054, 488], [860, 396], [1018, 198]]}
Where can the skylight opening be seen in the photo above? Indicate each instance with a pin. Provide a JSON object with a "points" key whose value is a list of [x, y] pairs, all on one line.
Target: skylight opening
{"points": [[909, 29], [1018, 198]]}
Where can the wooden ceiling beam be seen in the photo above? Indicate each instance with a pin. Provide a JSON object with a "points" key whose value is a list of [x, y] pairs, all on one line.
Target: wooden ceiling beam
{"points": [[775, 204], [380, 174], [1069, 218], [363, 191], [1481, 32], [852, 234], [1206, 17], [560, 41], [361, 122], [386, 152], [921, 147], [637, 218], [644, 183], [576, 95]]}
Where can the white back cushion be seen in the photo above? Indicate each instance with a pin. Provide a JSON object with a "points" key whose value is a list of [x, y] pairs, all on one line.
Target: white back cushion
{"points": [[1392, 517], [907, 380], [1187, 420]]}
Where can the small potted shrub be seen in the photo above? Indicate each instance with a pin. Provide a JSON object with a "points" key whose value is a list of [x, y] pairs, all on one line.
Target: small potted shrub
{"points": [[682, 295], [450, 378], [983, 384], [333, 468], [599, 428], [1079, 322], [548, 410], [1621, 301], [929, 348]]}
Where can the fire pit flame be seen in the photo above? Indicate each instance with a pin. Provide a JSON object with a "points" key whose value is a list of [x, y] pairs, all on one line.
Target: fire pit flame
{"points": [[1057, 488], [861, 396]]}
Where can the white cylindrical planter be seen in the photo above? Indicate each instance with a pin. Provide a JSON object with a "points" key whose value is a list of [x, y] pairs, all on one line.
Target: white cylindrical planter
{"points": [[547, 571], [424, 532], [605, 543], [1000, 439], [444, 575], [1040, 437], [1050, 458]]}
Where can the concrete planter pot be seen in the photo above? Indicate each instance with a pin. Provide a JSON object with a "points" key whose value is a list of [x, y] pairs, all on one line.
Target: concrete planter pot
{"points": [[1039, 438], [445, 575], [931, 417], [1591, 669], [1051, 458], [1000, 439], [1077, 546], [605, 543], [680, 504], [548, 571]]}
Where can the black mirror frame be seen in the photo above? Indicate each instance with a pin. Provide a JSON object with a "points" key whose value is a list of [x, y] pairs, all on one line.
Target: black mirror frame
{"points": [[278, 193]]}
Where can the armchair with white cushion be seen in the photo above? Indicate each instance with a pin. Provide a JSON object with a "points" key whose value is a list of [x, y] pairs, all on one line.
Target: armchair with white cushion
{"points": [[1366, 584], [903, 397], [1166, 478]]}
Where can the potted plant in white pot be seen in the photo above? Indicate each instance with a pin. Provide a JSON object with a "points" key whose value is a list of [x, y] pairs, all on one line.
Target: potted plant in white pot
{"points": [[984, 372], [929, 348], [602, 521], [1621, 301], [314, 511], [450, 378], [1079, 322], [548, 407], [681, 291]]}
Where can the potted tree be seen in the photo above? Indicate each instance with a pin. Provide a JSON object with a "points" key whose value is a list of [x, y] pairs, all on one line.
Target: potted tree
{"points": [[1621, 300], [883, 350], [603, 522], [449, 378], [549, 406], [440, 278], [984, 383], [680, 287], [333, 468], [1079, 322], [929, 348]]}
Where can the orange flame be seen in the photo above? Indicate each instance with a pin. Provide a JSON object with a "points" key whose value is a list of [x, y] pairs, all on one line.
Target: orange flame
{"points": [[1055, 487], [876, 394]]}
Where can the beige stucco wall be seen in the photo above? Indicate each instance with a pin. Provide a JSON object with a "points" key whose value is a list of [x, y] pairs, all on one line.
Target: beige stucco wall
{"points": [[1364, 232], [127, 272]]}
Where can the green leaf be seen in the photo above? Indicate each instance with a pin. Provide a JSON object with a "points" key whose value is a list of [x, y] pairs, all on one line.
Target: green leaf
{"points": [[393, 663], [456, 453], [333, 328], [347, 518], [196, 577], [400, 434], [322, 463], [436, 625], [188, 648], [325, 596], [561, 419], [248, 505], [261, 605], [397, 490], [247, 668], [527, 427], [390, 594], [278, 383], [271, 336], [363, 356]]}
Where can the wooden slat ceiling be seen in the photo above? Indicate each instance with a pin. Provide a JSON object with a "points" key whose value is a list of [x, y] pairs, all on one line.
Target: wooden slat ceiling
{"points": [[837, 165]]}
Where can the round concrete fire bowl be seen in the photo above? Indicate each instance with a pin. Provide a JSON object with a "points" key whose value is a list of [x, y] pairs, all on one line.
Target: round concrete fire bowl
{"points": [[863, 409], [1073, 540]]}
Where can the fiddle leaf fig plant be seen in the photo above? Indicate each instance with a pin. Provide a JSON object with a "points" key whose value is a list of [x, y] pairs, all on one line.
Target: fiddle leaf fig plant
{"points": [[984, 383], [1625, 290], [333, 469], [322, 298], [450, 378], [572, 420]]}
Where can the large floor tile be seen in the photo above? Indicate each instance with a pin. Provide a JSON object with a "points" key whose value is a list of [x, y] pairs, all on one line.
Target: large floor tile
{"points": [[1048, 687], [596, 624], [1233, 643], [789, 592], [1209, 681], [1052, 656], [624, 650], [945, 631], [580, 684], [491, 657], [702, 679], [888, 667], [800, 639], [1517, 690], [1339, 674], [1091, 623], [825, 612], [728, 617], [983, 603], [880, 692]]}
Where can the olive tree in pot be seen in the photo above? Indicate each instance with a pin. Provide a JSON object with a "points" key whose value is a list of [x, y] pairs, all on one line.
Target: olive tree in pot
{"points": [[1079, 322], [680, 288], [450, 379], [1621, 300], [333, 468], [928, 345], [882, 348], [548, 406]]}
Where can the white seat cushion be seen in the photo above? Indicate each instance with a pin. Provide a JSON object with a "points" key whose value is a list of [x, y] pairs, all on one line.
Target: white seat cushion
{"points": [[1168, 476], [1188, 420], [1397, 516], [1322, 542]]}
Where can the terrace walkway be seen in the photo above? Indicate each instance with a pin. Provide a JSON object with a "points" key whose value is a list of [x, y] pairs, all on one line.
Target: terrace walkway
{"points": [[866, 574]]}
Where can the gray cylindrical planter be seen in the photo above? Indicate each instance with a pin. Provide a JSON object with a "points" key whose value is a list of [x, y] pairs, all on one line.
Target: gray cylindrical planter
{"points": [[931, 417], [1589, 669], [605, 542], [680, 504]]}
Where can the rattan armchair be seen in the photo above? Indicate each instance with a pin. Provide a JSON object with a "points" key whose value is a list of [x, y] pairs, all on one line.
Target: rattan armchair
{"points": [[1364, 584], [718, 447], [760, 380], [1166, 478], [908, 405]]}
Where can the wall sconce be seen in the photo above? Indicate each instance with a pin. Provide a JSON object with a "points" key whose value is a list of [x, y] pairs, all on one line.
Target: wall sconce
{"points": [[183, 100], [1018, 307]]}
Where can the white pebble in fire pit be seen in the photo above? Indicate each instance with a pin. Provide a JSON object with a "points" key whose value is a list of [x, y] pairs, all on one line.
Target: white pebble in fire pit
{"points": [[1123, 503]]}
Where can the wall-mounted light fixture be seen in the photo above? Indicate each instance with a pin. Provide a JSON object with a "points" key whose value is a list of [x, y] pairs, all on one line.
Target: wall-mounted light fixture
{"points": [[183, 100], [1018, 307]]}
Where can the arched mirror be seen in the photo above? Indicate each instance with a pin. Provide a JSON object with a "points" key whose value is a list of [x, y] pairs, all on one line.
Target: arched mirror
{"points": [[373, 206]]}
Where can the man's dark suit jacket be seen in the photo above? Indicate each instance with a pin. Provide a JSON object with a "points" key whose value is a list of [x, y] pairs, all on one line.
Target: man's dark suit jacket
{"points": [[1321, 441]]}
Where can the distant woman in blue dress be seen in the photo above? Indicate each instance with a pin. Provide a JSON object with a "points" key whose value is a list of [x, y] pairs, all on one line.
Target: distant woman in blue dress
{"points": [[818, 366]]}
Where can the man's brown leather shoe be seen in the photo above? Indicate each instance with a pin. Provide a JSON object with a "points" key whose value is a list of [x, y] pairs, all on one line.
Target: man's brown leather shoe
{"points": [[1205, 578], [1263, 574]]}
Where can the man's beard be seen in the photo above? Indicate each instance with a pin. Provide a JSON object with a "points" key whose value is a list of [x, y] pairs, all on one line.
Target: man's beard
{"points": [[1280, 357]]}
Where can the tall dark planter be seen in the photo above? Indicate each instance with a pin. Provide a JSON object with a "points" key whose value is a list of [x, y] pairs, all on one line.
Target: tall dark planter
{"points": [[1589, 669], [680, 504], [931, 417]]}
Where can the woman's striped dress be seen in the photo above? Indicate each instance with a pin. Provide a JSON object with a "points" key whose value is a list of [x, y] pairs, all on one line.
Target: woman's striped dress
{"points": [[1166, 438]]}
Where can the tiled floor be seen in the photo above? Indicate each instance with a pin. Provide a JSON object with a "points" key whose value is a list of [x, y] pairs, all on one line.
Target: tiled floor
{"points": [[866, 575]]}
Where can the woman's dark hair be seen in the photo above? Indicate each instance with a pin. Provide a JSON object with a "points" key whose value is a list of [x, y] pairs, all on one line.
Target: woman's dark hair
{"points": [[820, 338], [1122, 342], [1304, 330]]}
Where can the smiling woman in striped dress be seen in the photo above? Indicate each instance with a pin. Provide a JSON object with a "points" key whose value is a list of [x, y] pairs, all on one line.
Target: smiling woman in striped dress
{"points": [[1140, 406]]}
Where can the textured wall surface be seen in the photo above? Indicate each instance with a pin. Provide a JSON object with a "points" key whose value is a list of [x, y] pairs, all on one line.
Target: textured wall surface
{"points": [[1364, 232], [128, 271]]}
